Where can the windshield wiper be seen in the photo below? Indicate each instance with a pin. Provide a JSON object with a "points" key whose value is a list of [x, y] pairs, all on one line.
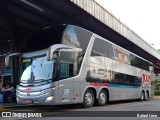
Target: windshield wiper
{"points": [[39, 80], [42, 80], [24, 84]]}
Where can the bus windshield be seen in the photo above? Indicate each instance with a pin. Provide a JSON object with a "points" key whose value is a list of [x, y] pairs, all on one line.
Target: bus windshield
{"points": [[36, 70]]}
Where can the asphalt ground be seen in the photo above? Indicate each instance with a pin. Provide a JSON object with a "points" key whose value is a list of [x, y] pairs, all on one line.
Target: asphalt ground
{"points": [[113, 109]]}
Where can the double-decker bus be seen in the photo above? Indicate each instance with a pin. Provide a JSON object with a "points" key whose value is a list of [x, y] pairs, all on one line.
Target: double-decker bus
{"points": [[67, 64]]}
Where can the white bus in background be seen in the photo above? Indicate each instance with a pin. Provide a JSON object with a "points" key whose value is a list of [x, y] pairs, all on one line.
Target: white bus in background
{"points": [[67, 64]]}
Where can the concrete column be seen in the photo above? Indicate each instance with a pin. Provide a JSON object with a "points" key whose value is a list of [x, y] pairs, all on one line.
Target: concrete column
{"points": [[14, 62]]}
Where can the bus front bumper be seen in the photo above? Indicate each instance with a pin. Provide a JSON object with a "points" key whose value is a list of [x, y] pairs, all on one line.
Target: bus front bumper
{"points": [[44, 99]]}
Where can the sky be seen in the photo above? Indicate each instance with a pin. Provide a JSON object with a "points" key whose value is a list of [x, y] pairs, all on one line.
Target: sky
{"points": [[141, 16]]}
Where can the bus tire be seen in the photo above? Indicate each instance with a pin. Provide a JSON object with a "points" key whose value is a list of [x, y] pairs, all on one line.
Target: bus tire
{"points": [[102, 98], [146, 96], [88, 99], [142, 98]]}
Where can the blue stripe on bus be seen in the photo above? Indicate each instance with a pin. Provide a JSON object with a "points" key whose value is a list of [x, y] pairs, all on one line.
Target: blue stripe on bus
{"points": [[123, 86]]}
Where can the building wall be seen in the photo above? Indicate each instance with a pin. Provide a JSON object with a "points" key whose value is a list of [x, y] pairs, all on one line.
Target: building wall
{"points": [[4, 77], [1, 63]]}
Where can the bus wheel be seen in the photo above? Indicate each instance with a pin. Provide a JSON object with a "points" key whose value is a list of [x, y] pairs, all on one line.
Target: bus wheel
{"points": [[142, 98], [102, 99], [88, 99]]}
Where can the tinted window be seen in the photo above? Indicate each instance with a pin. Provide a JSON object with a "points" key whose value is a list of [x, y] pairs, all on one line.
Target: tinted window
{"points": [[113, 77], [69, 64], [102, 48], [122, 55], [77, 37], [115, 52], [138, 62], [64, 70]]}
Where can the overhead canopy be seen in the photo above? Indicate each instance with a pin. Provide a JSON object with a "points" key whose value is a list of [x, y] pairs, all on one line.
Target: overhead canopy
{"points": [[20, 19]]}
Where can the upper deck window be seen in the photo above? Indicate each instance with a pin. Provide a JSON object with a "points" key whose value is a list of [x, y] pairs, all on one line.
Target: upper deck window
{"points": [[115, 52], [77, 37], [102, 48]]}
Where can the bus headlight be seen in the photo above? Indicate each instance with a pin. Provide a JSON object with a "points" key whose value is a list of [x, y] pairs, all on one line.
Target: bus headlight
{"points": [[48, 90], [48, 99]]}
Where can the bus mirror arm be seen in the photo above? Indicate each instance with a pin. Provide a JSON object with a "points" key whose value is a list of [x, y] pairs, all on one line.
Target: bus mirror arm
{"points": [[55, 48], [7, 58]]}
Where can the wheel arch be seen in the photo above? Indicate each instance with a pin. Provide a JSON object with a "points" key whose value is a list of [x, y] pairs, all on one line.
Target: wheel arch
{"points": [[143, 91]]}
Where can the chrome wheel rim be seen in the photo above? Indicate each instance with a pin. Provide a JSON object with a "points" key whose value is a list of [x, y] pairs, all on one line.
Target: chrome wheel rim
{"points": [[88, 98], [102, 97]]}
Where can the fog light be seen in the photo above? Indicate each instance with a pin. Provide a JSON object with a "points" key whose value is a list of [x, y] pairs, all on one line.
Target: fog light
{"points": [[49, 98]]}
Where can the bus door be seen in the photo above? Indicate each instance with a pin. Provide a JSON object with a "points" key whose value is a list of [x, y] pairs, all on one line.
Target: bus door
{"points": [[68, 70]]}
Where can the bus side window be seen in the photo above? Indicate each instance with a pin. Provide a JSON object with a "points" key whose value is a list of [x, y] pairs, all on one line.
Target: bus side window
{"points": [[122, 56], [69, 64], [116, 53], [66, 70]]}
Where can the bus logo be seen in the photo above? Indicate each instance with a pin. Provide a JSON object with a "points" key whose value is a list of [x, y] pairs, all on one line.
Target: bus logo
{"points": [[146, 78], [28, 89]]}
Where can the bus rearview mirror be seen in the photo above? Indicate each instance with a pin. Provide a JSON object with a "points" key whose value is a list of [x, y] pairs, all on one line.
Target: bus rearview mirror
{"points": [[55, 48], [7, 58]]}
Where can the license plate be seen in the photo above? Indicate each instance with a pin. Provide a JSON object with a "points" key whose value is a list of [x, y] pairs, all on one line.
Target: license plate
{"points": [[29, 101]]}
